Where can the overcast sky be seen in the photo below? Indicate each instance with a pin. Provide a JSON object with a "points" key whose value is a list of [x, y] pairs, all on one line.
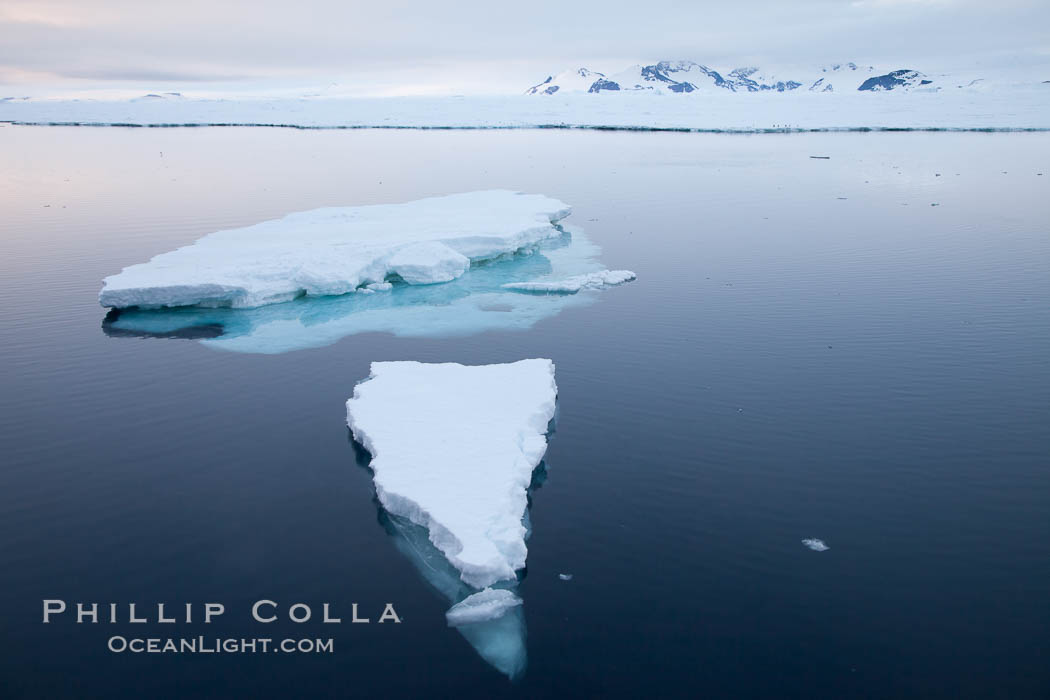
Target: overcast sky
{"points": [[399, 47]]}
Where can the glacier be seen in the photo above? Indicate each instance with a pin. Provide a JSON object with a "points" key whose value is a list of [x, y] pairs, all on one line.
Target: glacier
{"points": [[338, 250], [474, 302], [826, 101], [453, 450]]}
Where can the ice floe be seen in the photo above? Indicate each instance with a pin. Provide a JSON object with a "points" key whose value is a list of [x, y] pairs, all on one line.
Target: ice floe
{"points": [[571, 285], [474, 302], [453, 450], [488, 604], [337, 250], [816, 545]]}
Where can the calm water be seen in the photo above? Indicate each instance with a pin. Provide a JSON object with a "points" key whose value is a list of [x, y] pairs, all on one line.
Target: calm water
{"points": [[811, 350]]}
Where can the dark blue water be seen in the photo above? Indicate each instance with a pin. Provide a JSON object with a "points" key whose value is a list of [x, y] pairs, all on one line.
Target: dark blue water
{"points": [[812, 349]]}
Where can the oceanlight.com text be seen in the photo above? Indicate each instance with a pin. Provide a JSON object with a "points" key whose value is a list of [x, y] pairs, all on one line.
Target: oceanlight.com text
{"points": [[217, 645]]}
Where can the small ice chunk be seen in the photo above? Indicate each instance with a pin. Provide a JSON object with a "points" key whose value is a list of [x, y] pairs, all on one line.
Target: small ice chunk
{"points": [[379, 286], [483, 606], [571, 285], [565, 577], [336, 250], [453, 449], [816, 545]]}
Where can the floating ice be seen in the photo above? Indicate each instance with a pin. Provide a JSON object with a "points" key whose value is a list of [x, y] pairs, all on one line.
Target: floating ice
{"points": [[571, 285], [816, 545], [453, 454], [474, 302], [339, 250], [489, 604], [453, 449], [565, 577], [500, 641]]}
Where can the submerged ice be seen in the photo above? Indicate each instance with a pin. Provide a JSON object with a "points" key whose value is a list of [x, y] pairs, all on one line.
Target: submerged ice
{"points": [[496, 631], [482, 606], [338, 250], [453, 450], [571, 285]]}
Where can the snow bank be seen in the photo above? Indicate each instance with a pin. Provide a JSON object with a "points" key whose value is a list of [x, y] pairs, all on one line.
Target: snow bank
{"points": [[489, 604], [571, 285], [453, 449], [337, 250]]}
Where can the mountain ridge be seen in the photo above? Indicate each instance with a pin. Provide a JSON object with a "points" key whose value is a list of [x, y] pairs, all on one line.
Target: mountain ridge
{"points": [[686, 77]]}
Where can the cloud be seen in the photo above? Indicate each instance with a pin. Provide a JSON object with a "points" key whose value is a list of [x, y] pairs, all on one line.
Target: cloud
{"points": [[472, 43], [48, 14]]}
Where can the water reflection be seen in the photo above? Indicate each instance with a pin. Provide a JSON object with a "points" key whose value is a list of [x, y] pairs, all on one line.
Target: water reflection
{"points": [[473, 303]]}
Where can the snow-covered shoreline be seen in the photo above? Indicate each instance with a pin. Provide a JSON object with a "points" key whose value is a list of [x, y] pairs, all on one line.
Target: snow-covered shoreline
{"points": [[1007, 108]]}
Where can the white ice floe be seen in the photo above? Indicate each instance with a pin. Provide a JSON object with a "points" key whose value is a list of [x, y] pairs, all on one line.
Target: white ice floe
{"points": [[453, 449], [571, 285], [816, 545], [337, 250], [475, 302], [483, 606]]}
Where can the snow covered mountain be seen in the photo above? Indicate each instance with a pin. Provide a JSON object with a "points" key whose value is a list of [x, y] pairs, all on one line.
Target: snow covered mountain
{"points": [[684, 77], [669, 76], [579, 80], [844, 74], [753, 80], [895, 80]]}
